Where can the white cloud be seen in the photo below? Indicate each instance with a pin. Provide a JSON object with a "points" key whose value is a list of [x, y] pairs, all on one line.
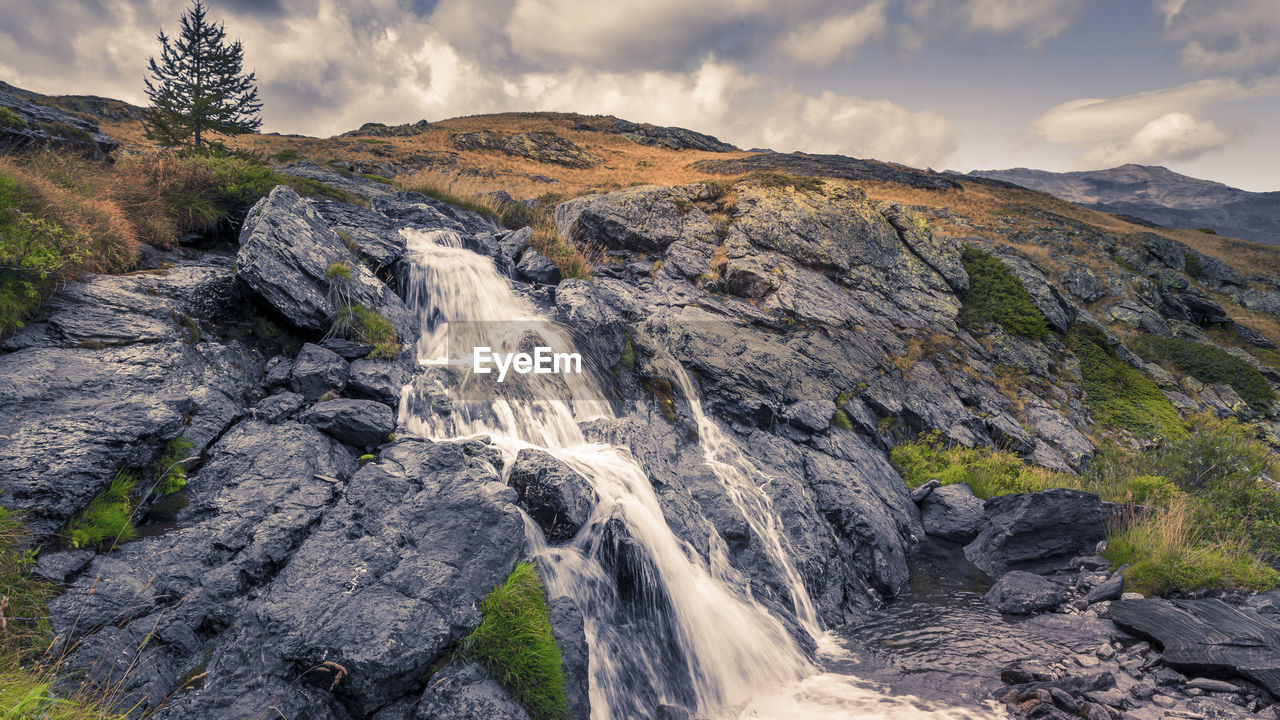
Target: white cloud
{"points": [[1172, 136], [821, 43], [1037, 21], [1151, 126], [1224, 35]]}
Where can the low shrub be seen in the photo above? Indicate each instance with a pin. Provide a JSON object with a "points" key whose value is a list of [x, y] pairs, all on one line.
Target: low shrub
{"points": [[1119, 395], [996, 295], [988, 472], [1209, 364], [514, 640], [357, 322], [108, 520]]}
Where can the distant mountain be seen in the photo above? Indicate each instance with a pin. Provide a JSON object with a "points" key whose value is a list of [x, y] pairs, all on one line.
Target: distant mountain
{"points": [[1159, 195]]}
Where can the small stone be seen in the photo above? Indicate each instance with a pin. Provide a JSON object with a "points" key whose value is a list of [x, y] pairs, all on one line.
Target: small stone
{"points": [[1193, 691], [1086, 661], [1211, 685], [1105, 652], [1163, 701], [1132, 596], [1064, 701], [1168, 676]]}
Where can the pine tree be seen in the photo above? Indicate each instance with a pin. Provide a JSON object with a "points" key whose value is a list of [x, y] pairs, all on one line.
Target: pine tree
{"points": [[197, 88]]}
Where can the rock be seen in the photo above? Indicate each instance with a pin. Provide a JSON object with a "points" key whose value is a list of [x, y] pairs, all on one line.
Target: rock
{"points": [[672, 138], [538, 268], [317, 371], [362, 187], [375, 237], [559, 499], [347, 349], [1105, 652], [286, 256], [1022, 593], [1037, 532], [1253, 337], [670, 712], [512, 245], [381, 380], [1267, 602], [1064, 701], [1142, 691], [536, 146], [1131, 596], [279, 370], [1110, 589], [747, 278], [1211, 685], [277, 407], [1163, 701], [363, 423], [1082, 282], [567, 627], [1111, 698], [107, 375], [466, 691], [59, 567], [31, 125], [919, 494], [837, 166], [1084, 661], [647, 218], [417, 211], [1168, 676], [952, 512], [1207, 636], [938, 251]]}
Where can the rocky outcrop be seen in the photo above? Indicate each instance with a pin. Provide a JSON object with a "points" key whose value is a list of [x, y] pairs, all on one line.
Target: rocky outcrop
{"points": [[951, 512], [672, 138], [1037, 532], [25, 124], [376, 129], [466, 691], [645, 219], [301, 269], [557, 498], [835, 166], [1022, 593], [544, 147]]}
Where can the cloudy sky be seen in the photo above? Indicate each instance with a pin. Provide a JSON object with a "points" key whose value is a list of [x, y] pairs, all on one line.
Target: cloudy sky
{"points": [[961, 84]]}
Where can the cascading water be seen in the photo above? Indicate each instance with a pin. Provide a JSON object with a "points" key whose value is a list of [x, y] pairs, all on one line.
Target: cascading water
{"points": [[662, 624]]}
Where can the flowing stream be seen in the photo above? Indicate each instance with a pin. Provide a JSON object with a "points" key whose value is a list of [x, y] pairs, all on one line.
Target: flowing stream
{"points": [[663, 625]]}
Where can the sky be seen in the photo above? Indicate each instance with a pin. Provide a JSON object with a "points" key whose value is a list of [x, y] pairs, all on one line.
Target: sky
{"points": [[1193, 85]]}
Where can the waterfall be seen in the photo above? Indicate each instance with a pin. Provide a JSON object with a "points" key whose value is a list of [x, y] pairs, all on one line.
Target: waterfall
{"points": [[662, 624]]}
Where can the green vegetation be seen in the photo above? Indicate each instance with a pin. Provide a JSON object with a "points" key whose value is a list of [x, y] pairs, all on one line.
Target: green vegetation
{"points": [[338, 270], [514, 640], [11, 119], [35, 254], [357, 322], [108, 520], [1119, 395], [627, 361], [996, 295], [1210, 523], [1209, 364], [1192, 265], [1208, 231], [841, 418], [377, 178], [171, 467], [288, 155]]}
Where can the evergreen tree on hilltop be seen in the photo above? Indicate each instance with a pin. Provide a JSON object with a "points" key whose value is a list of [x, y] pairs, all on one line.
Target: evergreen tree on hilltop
{"points": [[197, 87]]}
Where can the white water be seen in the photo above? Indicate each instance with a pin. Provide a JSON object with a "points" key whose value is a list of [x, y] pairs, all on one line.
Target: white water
{"points": [[662, 625]]}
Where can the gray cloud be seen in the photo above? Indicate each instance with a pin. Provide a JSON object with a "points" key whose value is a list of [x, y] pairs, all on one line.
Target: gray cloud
{"points": [[1225, 35]]}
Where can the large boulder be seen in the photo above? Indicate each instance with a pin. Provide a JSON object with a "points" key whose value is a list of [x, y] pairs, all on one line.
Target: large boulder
{"points": [[952, 512], [556, 497], [1037, 532], [466, 691], [672, 138], [1207, 637], [381, 380], [318, 370], [645, 218], [363, 423], [1022, 593], [374, 236], [304, 272]]}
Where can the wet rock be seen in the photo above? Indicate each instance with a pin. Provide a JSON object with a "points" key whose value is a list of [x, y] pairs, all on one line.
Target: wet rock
{"points": [[363, 423], [279, 370], [58, 567], [538, 268], [952, 512], [647, 218], [1109, 589], [381, 380], [1267, 603], [1022, 593], [1211, 685], [1037, 532], [347, 349], [671, 712], [375, 237], [286, 256], [567, 627], [1168, 676], [1207, 636], [415, 210], [466, 691], [316, 371], [558, 498], [919, 494]]}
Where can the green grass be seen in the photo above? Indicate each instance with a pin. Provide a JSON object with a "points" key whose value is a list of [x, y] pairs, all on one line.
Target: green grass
{"points": [[108, 520], [288, 155], [514, 640], [1192, 265], [11, 119], [996, 295], [357, 322], [1209, 364], [35, 254], [377, 178], [1119, 395], [987, 471], [171, 467], [841, 418]]}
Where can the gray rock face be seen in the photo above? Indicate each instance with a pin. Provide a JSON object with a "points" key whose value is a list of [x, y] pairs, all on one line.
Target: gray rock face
{"points": [[1109, 589], [940, 252], [837, 166], [376, 237], [1083, 282], [557, 498], [1037, 532], [567, 628], [412, 209], [536, 146], [286, 255], [643, 218], [1022, 593], [363, 423], [356, 185], [466, 691], [316, 371], [952, 512], [380, 380], [538, 268], [113, 369], [277, 407]]}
